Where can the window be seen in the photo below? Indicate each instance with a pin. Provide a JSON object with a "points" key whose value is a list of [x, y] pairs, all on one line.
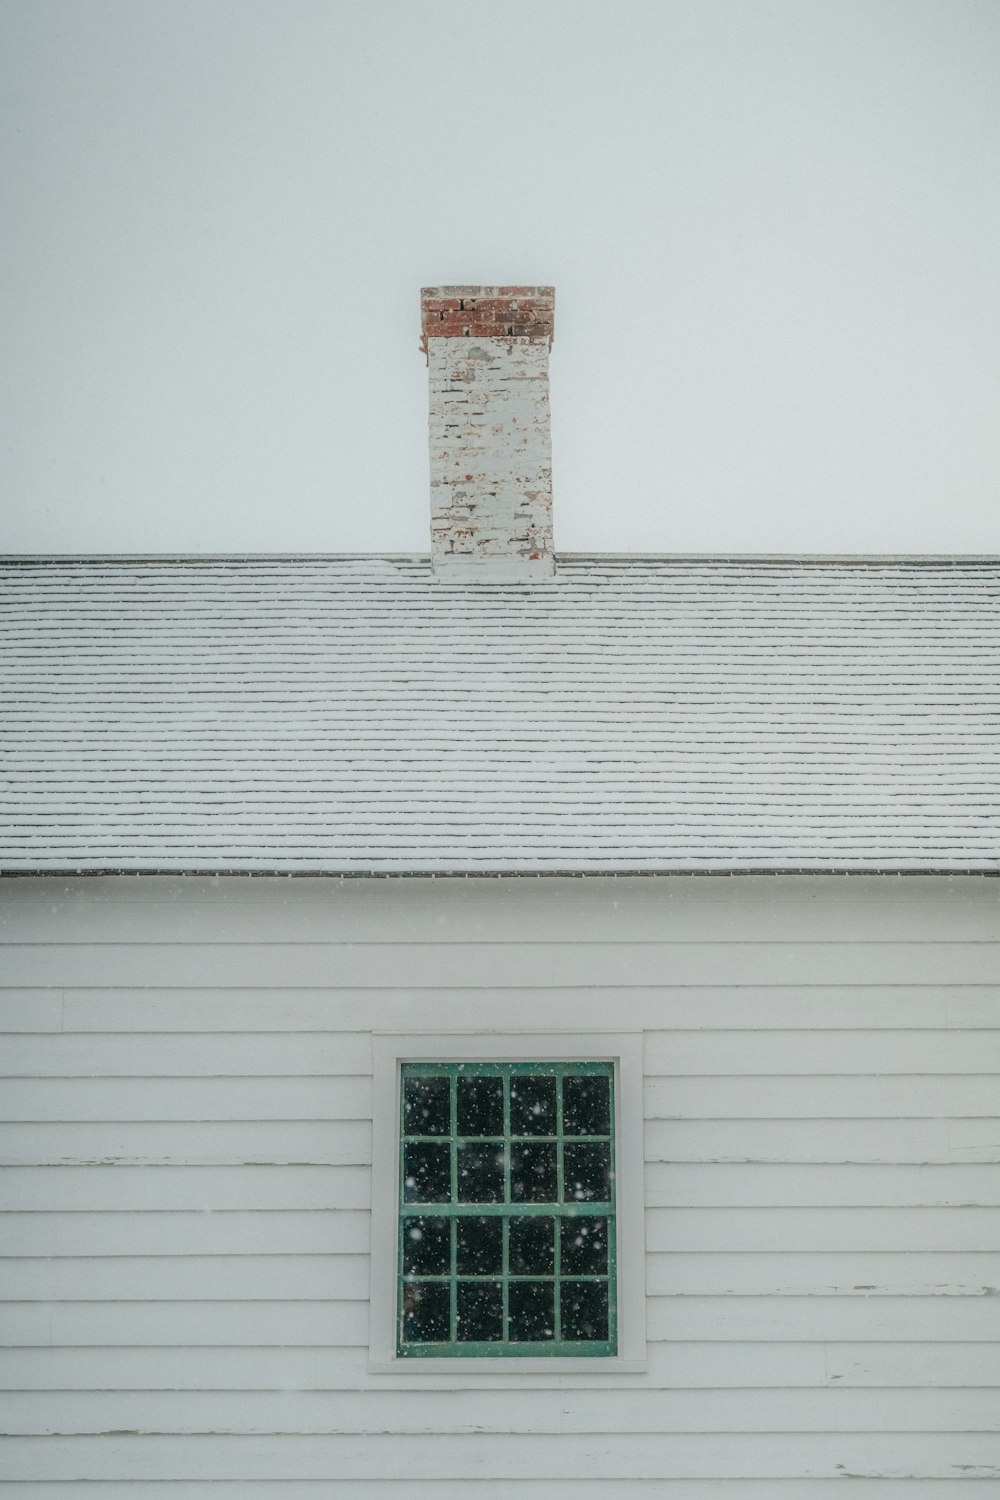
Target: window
{"points": [[507, 1209], [507, 1203]]}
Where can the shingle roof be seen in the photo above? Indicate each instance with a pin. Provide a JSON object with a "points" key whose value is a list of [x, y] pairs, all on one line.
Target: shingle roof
{"points": [[635, 714]]}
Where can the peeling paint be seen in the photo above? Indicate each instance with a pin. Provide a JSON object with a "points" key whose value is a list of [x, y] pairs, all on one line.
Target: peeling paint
{"points": [[490, 446]]}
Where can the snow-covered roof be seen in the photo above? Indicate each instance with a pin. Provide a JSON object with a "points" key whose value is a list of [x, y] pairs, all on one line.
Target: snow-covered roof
{"points": [[356, 716]]}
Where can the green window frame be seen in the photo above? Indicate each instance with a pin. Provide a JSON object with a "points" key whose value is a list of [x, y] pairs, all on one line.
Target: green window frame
{"points": [[507, 1242]]}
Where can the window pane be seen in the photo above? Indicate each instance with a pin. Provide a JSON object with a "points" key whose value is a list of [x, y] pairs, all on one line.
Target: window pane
{"points": [[532, 1106], [427, 1246], [426, 1312], [480, 1310], [427, 1106], [480, 1173], [587, 1172], [479, 1246], [583, 1306], [532, 1249], [506, 1217], [533, 1173], [586, 1104], [426, 1172], [532, 1311], [480, 1106], [583, 1247]]}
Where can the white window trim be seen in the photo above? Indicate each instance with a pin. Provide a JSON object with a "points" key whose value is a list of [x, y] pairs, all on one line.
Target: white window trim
{"points": [[624, 1049]]}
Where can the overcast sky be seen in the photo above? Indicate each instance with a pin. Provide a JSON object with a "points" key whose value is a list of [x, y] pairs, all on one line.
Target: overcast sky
{"points": [[773, 227]]}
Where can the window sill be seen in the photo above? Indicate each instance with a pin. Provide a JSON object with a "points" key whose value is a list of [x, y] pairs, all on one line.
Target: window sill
{"points": [[472, 1372]]}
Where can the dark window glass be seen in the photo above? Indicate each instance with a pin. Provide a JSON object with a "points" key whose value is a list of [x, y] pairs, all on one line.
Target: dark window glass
{"points": [[532, 1250], [427, 1246], [532, 1105], [583, 1247], [480, 1310], [587, 1172], [480, 1106], [480, 1173], [531, 1310], [533, 1172], [583, 1307], [586, 1105], [426, 1172], [479, 1246], [426, 1312], [507, 1179], [427, 1106]]}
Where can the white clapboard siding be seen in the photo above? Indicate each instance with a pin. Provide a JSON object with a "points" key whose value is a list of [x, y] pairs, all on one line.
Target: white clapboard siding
{"points": [[815, 1185], [187, 1137], [834, 1140], [822, 1229], [856, 1488], [164, 1278], [667, 1053], [328, 1142], [283, 1009], [674, 1365], [222, 1232], [838, 1408], [506, 1489], [821, 1274], [186, 1099], [189, 1055], [628, 909], [311, 1098], [187, 1324], [825, 1318], [607, 1456], [64, 1189], [818, 1052], [436, 966], [765, 1096]]}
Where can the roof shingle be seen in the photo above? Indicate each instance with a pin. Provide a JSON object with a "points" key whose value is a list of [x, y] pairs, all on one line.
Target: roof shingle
{"points": [[356, 716]]}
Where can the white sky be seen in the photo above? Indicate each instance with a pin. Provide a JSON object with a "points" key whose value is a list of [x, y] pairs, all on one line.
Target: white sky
{"points": [[773, 227]]}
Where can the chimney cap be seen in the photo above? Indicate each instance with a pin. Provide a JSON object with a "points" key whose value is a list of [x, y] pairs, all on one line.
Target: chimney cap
{"points": [[541, 293], [487, 312]]}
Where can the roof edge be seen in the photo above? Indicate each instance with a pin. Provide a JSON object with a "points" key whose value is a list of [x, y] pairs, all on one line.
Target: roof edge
{"points": [[792, 559], [573, 872]]}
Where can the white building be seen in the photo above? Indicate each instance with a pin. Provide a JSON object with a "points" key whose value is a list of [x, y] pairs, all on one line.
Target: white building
{"points": [[676, 866]]}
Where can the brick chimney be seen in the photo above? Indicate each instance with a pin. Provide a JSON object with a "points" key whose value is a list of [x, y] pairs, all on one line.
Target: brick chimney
{"points": [[491, 454]]}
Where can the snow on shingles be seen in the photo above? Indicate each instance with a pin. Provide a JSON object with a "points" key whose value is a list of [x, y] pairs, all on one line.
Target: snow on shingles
{"points": [[355, 716]]}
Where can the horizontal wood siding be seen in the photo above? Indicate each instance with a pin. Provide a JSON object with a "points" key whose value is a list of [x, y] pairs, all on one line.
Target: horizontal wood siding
{"points": [[857, 1488], [186, 1149]]}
